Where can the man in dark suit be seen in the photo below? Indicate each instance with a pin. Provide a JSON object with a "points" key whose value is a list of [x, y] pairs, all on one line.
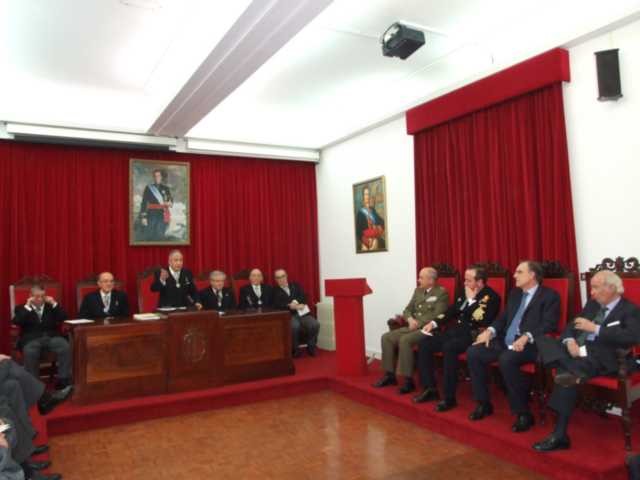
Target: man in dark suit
{"points": [[175, 284], [532, 310], [477, 309], [256, 294], [104, 302], [155, 209], [39, 320], [587, 348], [290, 296], [217, 296]]}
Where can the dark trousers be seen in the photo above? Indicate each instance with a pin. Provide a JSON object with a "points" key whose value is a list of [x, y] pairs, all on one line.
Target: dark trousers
{"points": [[311, 327], [479, 357], [555, 355], [451, 343], [59, 345]]}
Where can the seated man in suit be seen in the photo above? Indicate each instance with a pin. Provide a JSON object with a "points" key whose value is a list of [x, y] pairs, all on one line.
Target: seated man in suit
{"points": [[256, 294], [175, 284], [39, 320], [290, 296], [428, 302], [19, 391], [217, 296], [477, 309], [532, 310], [104, 302], [587, 348]]}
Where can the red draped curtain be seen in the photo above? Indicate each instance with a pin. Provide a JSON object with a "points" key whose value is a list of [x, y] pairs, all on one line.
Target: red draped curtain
{"points": [[494, 185], [65, 213]]}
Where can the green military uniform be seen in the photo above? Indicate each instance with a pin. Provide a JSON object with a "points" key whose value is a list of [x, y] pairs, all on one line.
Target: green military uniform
{"points": [[424, 306]]}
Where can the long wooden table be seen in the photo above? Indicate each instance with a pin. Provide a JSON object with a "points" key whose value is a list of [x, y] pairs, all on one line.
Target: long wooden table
{"points": [[119, 358]]}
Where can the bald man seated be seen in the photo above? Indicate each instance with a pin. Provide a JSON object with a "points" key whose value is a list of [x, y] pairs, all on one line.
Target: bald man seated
{"points": [[106, 301], [256, 294], [428, 302]]}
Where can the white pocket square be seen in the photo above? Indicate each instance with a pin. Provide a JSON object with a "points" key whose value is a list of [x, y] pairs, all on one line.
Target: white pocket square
{"points": [[613, 324]]}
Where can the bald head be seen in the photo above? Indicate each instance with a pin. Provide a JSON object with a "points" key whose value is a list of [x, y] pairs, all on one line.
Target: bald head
{"points": [[176, 260], [105, 282], [427, 277], [256, 277]]}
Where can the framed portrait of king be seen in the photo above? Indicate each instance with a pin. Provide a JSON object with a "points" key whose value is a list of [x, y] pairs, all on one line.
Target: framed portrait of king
{"points": [[370, 215], [159, 205]]}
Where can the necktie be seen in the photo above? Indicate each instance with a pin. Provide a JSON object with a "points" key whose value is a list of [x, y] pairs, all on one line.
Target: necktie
{"points": [[39, 312], [598, 320], [106, 299], [512, 331], [258, 292], [287, 291], [219, 295]]}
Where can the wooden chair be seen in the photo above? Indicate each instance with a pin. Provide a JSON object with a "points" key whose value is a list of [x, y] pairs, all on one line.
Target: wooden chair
{"points": [[601, 393], [19, 292], [448, 277], [90, 284], [239, 280], [147, 300], [499, 279]]}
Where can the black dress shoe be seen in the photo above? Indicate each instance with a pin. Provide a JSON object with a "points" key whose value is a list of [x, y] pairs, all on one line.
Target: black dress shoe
{"points": [[523, 423], [44, 476], [552, 443], [40, 449], [446, 405], [39, 465], [49, 401], [311, 351], [567, 379], [428, 395], [408, 387], [481, 411], [386, 380], [296, 353]]}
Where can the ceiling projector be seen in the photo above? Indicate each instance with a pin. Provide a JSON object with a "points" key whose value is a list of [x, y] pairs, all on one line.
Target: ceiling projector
{"points": [[401, 41]]}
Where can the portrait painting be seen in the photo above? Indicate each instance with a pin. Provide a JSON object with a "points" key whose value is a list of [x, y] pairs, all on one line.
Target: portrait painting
{"points": [[370, 215], [159, 209]]}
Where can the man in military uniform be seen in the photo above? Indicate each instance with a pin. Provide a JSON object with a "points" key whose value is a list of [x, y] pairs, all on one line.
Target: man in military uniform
{"points": [[155, 213], [429, 301], [453, 334]]}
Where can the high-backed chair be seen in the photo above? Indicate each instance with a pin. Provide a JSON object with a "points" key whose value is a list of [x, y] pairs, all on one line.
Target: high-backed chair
{"points": [[147, 300], [448, 277], [19, 292], [499, 280], [624, 389], [90, 284], [239, 280]]}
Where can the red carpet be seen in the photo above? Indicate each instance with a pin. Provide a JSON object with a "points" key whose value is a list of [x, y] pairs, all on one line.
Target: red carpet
{"points": [[597, 451]]}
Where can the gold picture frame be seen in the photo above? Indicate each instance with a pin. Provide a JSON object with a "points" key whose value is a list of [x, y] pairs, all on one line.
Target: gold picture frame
{"points": [[370, 215], [159, 202]]}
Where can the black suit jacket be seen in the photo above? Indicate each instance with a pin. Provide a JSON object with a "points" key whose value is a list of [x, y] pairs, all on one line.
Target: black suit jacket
{"points": [[541, 315], [92, 306], [31, 327], [209, 301], [248, 298], [173, 296], [486, 299], [281, 300], [621, 329]]}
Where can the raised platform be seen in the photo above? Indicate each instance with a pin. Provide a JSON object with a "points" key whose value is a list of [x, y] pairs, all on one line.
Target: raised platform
{"points": [[597, 452]]}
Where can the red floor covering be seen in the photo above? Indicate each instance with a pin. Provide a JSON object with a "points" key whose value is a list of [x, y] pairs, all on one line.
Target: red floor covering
{"points": [[597, 444]]}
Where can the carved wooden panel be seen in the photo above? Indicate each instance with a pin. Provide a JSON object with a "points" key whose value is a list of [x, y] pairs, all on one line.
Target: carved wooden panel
{"points": [[252, 342]]}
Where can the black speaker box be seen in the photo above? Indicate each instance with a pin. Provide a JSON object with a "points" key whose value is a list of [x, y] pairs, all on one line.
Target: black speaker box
{"points": [[608, 67]]}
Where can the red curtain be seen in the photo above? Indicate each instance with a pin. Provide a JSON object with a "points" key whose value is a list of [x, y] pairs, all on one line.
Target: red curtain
{"points": [[494, 185], [65, 213]]}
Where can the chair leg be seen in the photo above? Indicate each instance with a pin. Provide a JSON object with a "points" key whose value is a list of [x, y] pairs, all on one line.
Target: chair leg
{"points": [[626, 427]]}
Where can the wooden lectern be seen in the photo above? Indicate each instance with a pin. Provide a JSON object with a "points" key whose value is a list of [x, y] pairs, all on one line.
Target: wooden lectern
{"points": [[349, 323]]}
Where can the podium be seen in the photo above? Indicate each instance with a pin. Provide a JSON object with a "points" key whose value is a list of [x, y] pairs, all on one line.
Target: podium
{"points": [[349, 323]]}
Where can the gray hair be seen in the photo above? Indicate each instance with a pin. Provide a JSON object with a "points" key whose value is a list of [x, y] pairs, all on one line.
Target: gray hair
{"points": [[611, 279], [173, 252], [217, 273], [36, 289]]}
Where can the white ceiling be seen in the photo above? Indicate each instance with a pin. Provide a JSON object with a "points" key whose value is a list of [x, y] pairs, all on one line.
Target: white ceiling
{"points": [[117, 64]]}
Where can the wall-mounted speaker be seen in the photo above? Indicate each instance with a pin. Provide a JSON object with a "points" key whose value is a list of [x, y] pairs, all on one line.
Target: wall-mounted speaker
{"points": [[608, 67]]}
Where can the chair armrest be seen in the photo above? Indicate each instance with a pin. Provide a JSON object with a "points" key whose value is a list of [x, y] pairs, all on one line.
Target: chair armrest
{"points": [[396, 322]]}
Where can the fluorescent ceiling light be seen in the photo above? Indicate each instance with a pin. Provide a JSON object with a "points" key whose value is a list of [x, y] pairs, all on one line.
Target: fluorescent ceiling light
{"points": [[238, 149]]}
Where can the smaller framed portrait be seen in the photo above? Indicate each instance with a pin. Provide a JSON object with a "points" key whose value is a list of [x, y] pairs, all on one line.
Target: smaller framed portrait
{"points": [[370, 215], [159, 208]]}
